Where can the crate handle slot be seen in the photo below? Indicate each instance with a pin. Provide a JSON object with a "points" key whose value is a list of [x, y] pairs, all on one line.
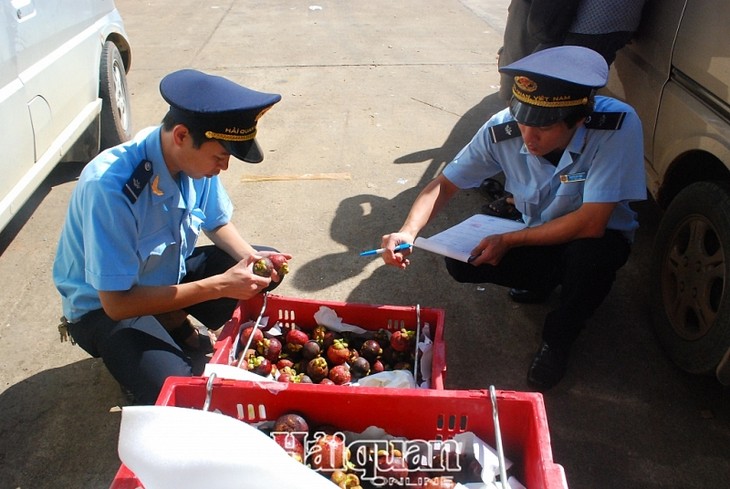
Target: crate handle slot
{"points": [[287, 316], [396, 324], [251, 412]]}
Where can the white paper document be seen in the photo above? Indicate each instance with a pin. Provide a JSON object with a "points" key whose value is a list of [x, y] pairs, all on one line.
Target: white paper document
{"points": [[457, 241]]}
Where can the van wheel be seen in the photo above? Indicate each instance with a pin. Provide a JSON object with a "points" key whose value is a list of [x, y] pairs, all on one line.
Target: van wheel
{"points": [[116, 115], [690, 272]]}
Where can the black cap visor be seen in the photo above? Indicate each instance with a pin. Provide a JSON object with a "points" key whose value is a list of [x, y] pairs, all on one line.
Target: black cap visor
{"points": [[530, 115], [248, 151]]}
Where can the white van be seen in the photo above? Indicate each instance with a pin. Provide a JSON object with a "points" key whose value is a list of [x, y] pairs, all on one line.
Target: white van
{"points": [[676, 73], [63, 89]]}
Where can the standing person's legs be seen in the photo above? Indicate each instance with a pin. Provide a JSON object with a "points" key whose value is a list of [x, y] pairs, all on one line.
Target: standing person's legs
{"points": [[517, 42], [607, 45]]}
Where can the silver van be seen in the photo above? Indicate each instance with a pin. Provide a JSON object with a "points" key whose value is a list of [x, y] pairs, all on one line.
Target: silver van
{"points": [[676, 73], [63, 89]]}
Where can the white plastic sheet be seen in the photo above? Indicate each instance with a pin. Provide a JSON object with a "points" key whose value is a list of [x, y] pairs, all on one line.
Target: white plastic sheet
{"points": [[178, 448]]}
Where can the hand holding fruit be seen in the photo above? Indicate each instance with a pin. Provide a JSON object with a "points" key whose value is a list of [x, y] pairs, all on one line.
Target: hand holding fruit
{"points": [[271, 265], [274, 263], [239, 281]]}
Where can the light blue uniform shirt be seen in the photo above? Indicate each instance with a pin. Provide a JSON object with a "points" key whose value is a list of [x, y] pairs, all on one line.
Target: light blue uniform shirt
{"points": [[111, 242], [599, 165]]}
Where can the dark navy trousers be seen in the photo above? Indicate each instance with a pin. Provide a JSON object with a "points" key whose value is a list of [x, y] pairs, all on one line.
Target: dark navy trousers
{"points": [[585, 269], [138, 352]]}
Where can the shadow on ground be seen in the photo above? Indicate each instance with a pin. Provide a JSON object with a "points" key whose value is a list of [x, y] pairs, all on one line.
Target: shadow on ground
{"points": [[59, 419], [372, 215], [65, 172]]}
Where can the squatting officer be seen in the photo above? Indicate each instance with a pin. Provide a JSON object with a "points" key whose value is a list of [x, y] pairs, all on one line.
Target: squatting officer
{"points": [[574, 162], [127, 267]]}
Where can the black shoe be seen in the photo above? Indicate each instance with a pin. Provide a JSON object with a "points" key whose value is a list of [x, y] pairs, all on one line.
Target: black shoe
{"points": [[529, 296], [548, 367], [502, 207], [492, 189]]}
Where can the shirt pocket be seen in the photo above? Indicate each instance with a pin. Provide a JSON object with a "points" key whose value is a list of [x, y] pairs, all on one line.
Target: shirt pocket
{"points": [[527, 197], [191, 226], [195, 222], [569, 196], [152, 248]]}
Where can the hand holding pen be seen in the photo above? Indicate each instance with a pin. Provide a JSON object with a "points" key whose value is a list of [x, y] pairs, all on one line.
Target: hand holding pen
{"points": [[396, 256], [380, 251]]}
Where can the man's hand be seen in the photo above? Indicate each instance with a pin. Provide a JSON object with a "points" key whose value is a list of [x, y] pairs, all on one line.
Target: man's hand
{"points": [[428, 203], [390, 257], [588, 221], [490, 250], [239, 281]]}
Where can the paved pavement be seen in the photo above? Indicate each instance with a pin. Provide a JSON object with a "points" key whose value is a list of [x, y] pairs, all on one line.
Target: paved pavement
{"points": [[377, 96]]}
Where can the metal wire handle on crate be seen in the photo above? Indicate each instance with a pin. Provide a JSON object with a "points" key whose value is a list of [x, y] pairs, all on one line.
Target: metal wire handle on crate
{"points": [[418, 338], [209, 391], [234, 349], [255, 327], [498, 438]]}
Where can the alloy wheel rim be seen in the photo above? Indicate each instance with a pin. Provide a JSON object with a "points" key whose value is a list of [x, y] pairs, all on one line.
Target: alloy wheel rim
{"points": [[693, 277]]}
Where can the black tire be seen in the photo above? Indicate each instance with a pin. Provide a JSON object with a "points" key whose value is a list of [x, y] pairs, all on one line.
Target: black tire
{"points": [[690, 273], [116, 116]]}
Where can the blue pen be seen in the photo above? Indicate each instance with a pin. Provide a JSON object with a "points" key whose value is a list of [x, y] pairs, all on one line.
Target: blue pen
{"points": [[379, 251]]}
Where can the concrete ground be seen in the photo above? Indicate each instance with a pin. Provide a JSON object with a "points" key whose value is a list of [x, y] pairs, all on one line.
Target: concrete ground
{"points": [[377, 97]]}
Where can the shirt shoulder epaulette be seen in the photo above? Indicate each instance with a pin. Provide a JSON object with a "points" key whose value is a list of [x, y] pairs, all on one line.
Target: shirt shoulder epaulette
{"points": [[138, 181], [504, 131], [609, 121]]}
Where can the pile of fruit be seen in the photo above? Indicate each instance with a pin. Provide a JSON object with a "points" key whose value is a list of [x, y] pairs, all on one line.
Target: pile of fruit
{"points": [[324, 356], [373, 463]]}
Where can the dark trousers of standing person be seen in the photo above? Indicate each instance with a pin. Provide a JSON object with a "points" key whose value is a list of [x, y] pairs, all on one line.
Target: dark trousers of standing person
{"points": [[138, 352], [532, 25], [604, 44], [517, 42], [585, 269]]}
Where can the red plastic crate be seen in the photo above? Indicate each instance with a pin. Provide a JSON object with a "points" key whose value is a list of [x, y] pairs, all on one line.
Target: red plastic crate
{"points": [[424, 414], [372, 317]]}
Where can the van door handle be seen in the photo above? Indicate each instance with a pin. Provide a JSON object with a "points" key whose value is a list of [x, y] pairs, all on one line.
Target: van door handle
{"points": [[24, 9]]}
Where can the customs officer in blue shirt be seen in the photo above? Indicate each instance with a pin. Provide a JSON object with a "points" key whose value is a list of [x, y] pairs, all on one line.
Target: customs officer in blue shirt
{"points": [[127, 266], [573, 162]]}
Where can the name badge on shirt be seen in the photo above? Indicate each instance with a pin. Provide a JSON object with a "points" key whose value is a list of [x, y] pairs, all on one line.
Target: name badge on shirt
{"points": [[573, 177]]}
